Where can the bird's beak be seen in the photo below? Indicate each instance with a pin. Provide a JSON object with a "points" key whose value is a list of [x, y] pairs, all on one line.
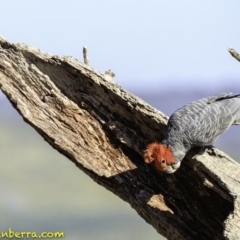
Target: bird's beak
{"points": [[173, 168]]}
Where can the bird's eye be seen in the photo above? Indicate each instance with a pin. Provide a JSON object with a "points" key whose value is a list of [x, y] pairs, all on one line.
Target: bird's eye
{"points": [[163, 161]]}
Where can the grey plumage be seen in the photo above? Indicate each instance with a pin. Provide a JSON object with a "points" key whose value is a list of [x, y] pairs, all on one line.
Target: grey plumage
{"points": [[199, 124]]}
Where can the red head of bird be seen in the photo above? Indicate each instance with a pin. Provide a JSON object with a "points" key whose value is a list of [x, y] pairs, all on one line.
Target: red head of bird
{"points": [[163, 157]]}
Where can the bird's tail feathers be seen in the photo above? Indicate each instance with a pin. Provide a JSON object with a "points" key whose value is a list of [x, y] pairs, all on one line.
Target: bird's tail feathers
{"points": [[237, 119]]}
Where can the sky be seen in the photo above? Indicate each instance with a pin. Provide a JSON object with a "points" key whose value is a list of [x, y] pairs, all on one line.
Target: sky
{"points": [[149, 45]]}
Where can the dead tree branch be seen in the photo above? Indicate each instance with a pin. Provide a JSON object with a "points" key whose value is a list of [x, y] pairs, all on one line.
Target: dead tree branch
{"points": [[85, 55], [103, 129], [234, 53]]}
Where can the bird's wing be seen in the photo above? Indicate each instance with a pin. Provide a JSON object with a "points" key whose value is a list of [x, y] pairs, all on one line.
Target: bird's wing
{"points": [[202, 121], [219, 97]]}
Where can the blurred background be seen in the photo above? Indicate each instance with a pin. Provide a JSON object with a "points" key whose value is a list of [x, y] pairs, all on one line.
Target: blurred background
{"points": [[166, 52]]}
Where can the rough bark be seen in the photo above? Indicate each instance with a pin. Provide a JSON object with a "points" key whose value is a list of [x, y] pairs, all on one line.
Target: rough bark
{"points": [[104, 129], [234, 54]]}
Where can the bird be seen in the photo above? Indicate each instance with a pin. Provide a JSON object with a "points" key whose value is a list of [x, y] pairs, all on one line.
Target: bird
{"points": [[197, 124]]}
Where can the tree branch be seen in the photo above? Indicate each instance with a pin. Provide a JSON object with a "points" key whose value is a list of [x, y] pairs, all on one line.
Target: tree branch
{"points": [[234, 54], [103, 129], [85, 55]]}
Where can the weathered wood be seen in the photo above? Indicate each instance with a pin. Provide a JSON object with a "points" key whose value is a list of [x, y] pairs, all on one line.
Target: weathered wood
{"points": [[103, 129], [234, 53]]}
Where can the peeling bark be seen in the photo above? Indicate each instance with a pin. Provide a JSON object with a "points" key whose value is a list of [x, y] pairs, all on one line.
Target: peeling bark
{"points": [[103, 129]]}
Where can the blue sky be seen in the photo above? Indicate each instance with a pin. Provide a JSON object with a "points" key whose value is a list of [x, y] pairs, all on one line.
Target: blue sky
{"points": [[148, 44]]}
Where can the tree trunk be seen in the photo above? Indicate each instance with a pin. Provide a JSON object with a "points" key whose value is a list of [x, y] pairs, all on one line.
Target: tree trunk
{"points": [[104, 129]]}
